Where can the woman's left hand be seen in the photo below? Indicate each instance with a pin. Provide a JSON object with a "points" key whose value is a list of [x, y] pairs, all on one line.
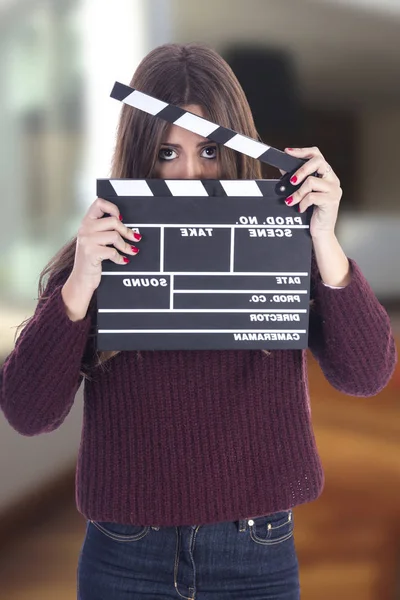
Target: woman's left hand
{"points": [[324, 192]]}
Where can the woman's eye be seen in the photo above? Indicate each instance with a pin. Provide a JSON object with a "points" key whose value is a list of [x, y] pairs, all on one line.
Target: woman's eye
{"points": [[210, 152], [166, 154]]}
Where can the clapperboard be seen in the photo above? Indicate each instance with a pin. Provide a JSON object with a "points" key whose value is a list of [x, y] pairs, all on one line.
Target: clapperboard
{"points": [[223, 264]]}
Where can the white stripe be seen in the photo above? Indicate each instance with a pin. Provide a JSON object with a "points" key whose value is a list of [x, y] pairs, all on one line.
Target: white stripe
{"points": [[232, 256], [240, 291], [196, 124], [241, 188], [144, 102], [202, 331], [171, 295], [201, 310], [162, 250], [195, 273], [186, 187], [131, 187], [247, 146]]}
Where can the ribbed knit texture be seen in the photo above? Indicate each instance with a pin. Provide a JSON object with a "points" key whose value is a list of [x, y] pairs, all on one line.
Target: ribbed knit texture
{"points": [[183, 438]]}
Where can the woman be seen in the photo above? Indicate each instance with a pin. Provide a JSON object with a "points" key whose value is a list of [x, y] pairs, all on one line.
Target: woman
{"points": [[191, 462]]}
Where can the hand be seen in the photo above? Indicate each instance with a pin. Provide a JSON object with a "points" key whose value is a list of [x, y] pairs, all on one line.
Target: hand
{"points": [[99, 239], [324, 193]]}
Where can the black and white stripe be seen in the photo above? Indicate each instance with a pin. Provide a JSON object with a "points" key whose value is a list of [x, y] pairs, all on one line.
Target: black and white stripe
{"points": [[238, 188], [222, 135]]}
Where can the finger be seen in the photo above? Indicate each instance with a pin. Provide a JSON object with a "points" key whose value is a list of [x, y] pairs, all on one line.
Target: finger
{"points": [[328, 173], [108, 238], [313, 198], [324, 169], [311, 184], [102, 207], [113, 223], [101, 253], [313, 165], [304, 152], [324, 201]]}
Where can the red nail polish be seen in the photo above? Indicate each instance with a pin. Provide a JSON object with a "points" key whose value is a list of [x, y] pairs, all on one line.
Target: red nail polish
{"points": [[138, 237], [289, 200], [134, 249], [289, 148], [294, 179], [120, 218], [126, 260]]}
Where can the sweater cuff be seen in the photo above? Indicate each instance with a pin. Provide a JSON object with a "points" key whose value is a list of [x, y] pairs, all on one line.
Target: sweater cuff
{"points": [[54, 324], [356, 299], [60, 312], [333, 287]]}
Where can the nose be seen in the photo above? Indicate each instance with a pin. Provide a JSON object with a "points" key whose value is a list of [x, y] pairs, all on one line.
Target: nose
{"points": [[191, 168]]}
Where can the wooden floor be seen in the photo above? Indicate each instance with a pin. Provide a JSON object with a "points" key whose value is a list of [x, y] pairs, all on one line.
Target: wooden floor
{"points": [[348, 541]]}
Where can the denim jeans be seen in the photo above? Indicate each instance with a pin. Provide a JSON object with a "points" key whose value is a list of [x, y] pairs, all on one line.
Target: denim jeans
{"points": [[251, 559]]}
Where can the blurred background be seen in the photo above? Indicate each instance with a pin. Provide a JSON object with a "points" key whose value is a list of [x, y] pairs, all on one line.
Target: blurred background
{"points": [[322, 72]]}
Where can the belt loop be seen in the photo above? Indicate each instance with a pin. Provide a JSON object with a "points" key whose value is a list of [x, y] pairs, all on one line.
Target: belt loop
{"points": [[242, 525]]}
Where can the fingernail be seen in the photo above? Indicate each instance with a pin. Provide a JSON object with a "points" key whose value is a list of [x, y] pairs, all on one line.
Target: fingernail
{"points": [[299, 207], [134, 249], [294, 179], [126, 260], [121, 218], [137, 236], [289, 148], [289, 200]]}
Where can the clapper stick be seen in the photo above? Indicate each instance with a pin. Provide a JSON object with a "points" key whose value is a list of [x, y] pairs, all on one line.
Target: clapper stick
{"points": [[222, 135]]}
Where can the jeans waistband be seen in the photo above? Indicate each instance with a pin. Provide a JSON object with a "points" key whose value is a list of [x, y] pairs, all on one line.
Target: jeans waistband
{"points": [[242, 525]]}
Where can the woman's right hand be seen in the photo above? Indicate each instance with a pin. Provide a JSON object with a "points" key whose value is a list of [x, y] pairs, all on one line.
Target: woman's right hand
{"points": [[98, 239]]}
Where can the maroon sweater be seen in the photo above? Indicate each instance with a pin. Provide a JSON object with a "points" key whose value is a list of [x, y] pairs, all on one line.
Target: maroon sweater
{"points": [[194, 437]]}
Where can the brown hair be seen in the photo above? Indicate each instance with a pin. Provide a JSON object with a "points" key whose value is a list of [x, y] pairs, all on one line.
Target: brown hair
{"points": [[179, 74]]}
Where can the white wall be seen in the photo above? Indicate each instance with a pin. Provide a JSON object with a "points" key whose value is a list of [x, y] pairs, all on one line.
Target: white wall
{"points": [[372, 235], [380, 155], [342, 54], [116, 36]]}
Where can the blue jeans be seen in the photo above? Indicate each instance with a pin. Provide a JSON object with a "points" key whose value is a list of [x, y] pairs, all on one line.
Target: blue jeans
{"points": [[251, 559]]}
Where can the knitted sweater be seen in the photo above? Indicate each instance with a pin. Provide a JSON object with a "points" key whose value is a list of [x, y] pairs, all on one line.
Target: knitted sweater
{"points": [[194, 437]]}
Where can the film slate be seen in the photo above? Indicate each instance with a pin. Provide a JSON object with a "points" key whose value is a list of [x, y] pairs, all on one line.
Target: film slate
{"points": [[223, 264]]}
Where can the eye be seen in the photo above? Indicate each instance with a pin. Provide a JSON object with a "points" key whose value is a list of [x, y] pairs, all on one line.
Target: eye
{"points": [[166, 154], [210, 152]]}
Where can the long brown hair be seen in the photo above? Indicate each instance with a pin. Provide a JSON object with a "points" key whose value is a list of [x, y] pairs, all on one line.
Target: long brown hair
{"points": [[179, 74]]}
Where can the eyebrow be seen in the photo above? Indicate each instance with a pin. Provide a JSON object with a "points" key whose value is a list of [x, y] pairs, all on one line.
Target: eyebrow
{"points": [[208, 143]]}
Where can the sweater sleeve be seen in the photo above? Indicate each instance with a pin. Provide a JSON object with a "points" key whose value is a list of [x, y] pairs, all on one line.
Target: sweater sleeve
{"points": [[350, 335], [41, 376]]}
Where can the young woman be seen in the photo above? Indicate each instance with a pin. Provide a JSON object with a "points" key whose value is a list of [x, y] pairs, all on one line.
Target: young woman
{"points": [[191, 462]]}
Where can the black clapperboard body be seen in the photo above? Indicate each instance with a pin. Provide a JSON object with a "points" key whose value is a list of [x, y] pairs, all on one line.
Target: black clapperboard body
{"points": [[223, 264]]}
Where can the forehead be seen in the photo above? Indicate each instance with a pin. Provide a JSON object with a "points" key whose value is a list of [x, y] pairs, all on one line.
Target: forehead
{"points": [[178, 135]]}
